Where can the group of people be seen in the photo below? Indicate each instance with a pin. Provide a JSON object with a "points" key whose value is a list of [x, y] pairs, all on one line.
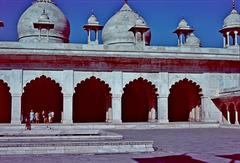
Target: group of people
{"points": [[35, 117]]}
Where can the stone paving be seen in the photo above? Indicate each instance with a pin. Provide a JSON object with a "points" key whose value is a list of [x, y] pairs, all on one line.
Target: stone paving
{"points": [[181, 145]]}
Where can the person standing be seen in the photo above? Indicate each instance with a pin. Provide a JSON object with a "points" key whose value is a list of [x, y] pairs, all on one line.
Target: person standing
{"points": [[37, 118]]}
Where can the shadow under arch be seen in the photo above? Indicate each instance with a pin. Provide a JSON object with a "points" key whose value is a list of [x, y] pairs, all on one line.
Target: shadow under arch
{"points": [[91, 101], [5, 102], [42, 93], [184, 96], [231, 109], [139, 97]]}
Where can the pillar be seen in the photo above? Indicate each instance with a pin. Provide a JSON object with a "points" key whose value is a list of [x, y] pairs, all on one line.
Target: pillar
{"points": [[89, 36], [181, 39], [68, 87], [224, 41], [236, 116], [228, 39], [236, 38], [16, 91], [117, 88], [162, 100], [228, 116], [143, 38]]}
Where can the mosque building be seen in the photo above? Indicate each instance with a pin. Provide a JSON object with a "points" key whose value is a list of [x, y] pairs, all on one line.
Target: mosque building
{"points": [[122, 80]]}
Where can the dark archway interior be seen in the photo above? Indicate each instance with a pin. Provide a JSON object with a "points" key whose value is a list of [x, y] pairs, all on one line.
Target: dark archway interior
{"points": [[5, 103], [138, 98], [43, 94], [184, 96], [232, 113], [91, 100]]}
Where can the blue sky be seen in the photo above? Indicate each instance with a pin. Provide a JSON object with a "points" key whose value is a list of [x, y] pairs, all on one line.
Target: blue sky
{"points": [[205, 16]]}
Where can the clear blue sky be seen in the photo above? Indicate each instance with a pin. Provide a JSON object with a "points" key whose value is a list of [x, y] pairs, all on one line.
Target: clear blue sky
{"points": [[206, 17]]}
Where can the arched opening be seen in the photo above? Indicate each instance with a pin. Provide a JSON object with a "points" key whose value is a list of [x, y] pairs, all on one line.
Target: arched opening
{"points": [[91, 101], [184, 101], [5, 103], [43, 94], [138, 99], [231, 109]]}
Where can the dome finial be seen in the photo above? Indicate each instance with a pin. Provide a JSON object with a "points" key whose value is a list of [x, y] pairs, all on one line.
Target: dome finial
{"points": [[234, 4], [126, 1]]}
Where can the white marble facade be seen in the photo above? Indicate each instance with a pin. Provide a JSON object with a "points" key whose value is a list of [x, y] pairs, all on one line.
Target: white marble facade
{"points": [[210, 83]]}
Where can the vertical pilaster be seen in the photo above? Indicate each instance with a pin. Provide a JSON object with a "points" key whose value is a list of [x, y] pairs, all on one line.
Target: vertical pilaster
{"points": [[228, 115], [68, 87], [236, 116], [163, 90], [228, 39], [89, 36], [16, 91], [117, 87], [236, 38], [224, 42]]}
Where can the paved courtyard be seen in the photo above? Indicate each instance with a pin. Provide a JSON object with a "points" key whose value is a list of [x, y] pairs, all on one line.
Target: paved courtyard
{"points": [[171, 145]]}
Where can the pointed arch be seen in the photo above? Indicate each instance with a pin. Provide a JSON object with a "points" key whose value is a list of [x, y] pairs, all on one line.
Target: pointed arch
{"points": [[224, 111], [5, 103], [40, 94], [139, 97], [185, 95], [91, 101]]}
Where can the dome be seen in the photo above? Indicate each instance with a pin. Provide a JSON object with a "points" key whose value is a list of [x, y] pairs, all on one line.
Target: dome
{"points": [[93, 19], [26, 30], [116, 30], [183, 24], [44, 17], [232, 20], [192, 40]]}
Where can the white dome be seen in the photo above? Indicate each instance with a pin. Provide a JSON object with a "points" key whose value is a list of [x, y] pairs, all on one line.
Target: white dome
{"points": [[192, 41], [232, 20], [93, 19], [183, 24], [116, 30], [26, 31]]}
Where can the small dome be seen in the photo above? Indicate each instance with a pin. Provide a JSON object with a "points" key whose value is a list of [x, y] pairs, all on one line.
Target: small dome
{"points": [[26, 30], [183, 24], [93, 19], [192, 41], [232, 20], [44, 17], [116, 30]]}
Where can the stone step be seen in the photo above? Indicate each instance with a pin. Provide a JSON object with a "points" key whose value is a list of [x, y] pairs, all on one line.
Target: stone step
{"points": [[59, 138], [91, 147]]}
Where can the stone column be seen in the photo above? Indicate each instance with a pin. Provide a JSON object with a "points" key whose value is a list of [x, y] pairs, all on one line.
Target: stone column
{"points": [[117, 87], [181, 39], [236, 38], [116, 109], [143, 38], [68, 87], [224, 41], [236, 116], [89, 36], [228, 39], [163, 109], [163, 90], [228, 116], [16, 91]]}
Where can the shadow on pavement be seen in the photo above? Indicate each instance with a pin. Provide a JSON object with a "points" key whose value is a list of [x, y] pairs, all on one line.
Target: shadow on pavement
{"points": [[169, 159], [233, 157]]}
